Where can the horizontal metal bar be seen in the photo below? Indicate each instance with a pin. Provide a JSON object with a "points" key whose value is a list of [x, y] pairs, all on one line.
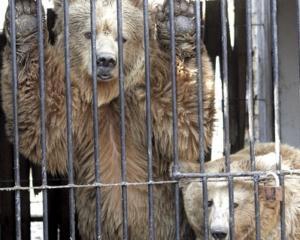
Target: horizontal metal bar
{"points": [[290, 174], [178, 175], [95, 185]]}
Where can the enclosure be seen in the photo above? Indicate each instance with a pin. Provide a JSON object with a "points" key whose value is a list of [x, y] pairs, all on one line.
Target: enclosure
{"points": [[254, 47]]}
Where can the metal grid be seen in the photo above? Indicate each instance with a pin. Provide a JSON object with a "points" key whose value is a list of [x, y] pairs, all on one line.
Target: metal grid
{"points": [[255, 175]]}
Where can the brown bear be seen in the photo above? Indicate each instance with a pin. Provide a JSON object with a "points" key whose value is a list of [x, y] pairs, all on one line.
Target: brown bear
{"points": [[108, 109], [244, 210]]}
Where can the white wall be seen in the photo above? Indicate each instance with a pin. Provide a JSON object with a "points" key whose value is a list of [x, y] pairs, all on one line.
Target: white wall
{"points": [[2, 14]]}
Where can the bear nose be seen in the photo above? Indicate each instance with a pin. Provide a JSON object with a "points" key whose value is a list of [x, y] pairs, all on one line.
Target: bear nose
{"points": [[219, 234], [106, 60]]}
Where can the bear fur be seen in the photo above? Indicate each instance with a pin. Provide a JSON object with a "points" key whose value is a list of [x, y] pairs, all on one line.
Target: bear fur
{"points": [[244, 210], [108, 113]]}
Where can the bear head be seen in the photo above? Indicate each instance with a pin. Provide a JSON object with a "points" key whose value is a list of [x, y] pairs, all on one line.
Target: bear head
{"points": [[243, 202], [107, 56]]}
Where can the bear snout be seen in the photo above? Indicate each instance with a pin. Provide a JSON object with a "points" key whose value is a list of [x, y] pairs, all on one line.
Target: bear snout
{"points": [[106, 63], [219, 232]]}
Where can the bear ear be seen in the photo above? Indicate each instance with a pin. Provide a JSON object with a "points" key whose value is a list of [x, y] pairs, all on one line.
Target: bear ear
{"points": [[60, 3], [137, 3], [183, 183]]}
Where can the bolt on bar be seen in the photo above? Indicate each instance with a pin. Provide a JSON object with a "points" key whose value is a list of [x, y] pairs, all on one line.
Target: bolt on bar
{"points": [[224, 21], [251, 113], [174, 113], [122, 117], [40, 24], [95, 119], [69, 120], [148, 122], [275, 69], [15, 117], [200, 115]]}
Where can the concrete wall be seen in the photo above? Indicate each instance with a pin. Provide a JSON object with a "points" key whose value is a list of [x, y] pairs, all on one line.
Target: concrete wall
{"points": [[289, 72]]}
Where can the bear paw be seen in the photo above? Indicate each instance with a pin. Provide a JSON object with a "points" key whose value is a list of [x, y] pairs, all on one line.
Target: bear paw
{"points": [[26, 20], [184, 19]]}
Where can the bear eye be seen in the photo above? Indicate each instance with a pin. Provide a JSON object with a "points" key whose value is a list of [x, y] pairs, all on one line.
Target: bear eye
{"points": [[210, 203], [88, 35], [124, 40], [235, 205]]}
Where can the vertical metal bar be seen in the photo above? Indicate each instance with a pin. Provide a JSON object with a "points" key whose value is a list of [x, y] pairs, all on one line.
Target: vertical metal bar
{"points": [[251, 113], [95, 119], [224, 21], [200, 115], [275, 65], [174, 113], [298, 25], [40, 24], [282, 209], [15, 117], [69, 120], [122, 116], [276, 80], [250, 82], [149, 122], [225, 82]]}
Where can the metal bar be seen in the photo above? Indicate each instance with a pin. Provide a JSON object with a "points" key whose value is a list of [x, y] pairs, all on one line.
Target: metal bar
{"points": [[298, 25], [275, 65], [290, 174], [15, 118], [282, 209], [250, 101], [122, 117], [252, 174], [224, 21], [69, 120], [149, 122], [174, 113], [200, 115], [276, 80], [40, 24], [95, 118]]}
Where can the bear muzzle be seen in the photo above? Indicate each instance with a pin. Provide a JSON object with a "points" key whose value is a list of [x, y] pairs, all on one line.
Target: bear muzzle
{"points": [[106, 63]]}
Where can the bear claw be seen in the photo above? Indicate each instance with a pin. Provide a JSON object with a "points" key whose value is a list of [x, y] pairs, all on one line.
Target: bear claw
{"points": [[184, 19], [26, 19]]}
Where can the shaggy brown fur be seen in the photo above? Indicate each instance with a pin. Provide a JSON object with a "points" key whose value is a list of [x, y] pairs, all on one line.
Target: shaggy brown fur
{"points": [[108, 107], [244, 196]]}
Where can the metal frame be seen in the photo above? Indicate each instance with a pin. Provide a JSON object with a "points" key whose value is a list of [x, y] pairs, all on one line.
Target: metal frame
{"points": [[202, 175]]}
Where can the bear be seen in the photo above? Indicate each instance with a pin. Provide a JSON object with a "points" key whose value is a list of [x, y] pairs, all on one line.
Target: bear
{"points": [[244, 210], [108, 98]]}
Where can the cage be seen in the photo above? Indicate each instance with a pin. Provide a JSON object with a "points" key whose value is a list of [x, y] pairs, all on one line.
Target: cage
{"points": [[254, 47]]}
